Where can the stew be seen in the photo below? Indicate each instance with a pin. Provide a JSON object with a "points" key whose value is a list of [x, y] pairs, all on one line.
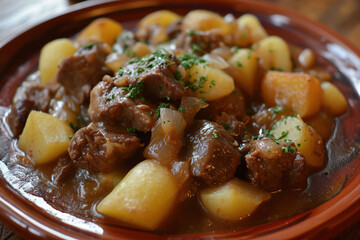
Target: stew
{"points": [[185, 124]]}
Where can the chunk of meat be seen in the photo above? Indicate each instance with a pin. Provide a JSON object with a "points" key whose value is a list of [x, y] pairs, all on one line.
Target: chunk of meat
{"points": [[101, 149], [82, 71], [273, 166], [212, 152], [231, 124], [36, 97], [157, 72], [63, 170], [110, 105], [199, 42], [232, 104]]}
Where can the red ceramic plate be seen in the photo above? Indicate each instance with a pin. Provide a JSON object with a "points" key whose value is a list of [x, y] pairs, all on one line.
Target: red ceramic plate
{"points": [[31, 217]]}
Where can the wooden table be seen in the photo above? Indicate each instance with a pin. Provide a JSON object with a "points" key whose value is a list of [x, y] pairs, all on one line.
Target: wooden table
{"points": [[341, 15]]}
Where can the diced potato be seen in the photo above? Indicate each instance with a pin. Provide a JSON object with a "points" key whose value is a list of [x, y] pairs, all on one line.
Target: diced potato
{"points": [[144, 197], [247, 65], [44, 137], [210, 83], [103, 30], [235, 200], [307, 141], [114, 61], [257, 32], [333, 101], [162, 18], [298, 91], [141, 49], [203, 20], [51, 56], [274, 53]]}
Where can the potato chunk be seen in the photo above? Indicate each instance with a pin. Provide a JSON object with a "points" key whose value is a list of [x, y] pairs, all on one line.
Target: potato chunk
{"points": [[247, 67], [274, 54], [298, 91], [204, 20], [162, 18], [44, 137], [144, 197], [307, 141], [334, 102], [209, 83], [235, 200], [103, 30], [257, 32], [51, 56]]}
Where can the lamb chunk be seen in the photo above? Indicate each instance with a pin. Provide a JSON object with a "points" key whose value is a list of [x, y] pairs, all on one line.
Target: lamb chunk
{"points": [[272, 169], [110, 105], [231, 124], [232, 104], [199, 42], [82, 71], [157, 72], [63, 170], [212, 152], [101, 149], [36, 97]]}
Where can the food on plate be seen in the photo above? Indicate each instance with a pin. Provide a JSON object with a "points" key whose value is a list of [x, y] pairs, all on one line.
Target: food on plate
{"points": [[184, 124]]}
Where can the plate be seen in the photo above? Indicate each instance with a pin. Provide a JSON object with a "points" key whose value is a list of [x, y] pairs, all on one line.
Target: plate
{"points": [[32, 217]]}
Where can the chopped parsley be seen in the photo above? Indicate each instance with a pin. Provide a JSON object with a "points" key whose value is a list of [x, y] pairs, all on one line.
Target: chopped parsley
{"points": [[73, 126], [226, 126], [277, 109], [79, 119], [110, 96], [195, 47], [288, 149], [235, 49], [135, 90], [88, 45], [215, 135], [190, 59], [130, 129], [181, 109], [191, 32], [239, 64], [298, 127], [70, 137], [160, 88], [283, 134], [162, 105], [203, 99]]}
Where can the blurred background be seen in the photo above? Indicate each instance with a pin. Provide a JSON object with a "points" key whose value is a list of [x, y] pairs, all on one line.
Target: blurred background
{"points": [[343, 16]]}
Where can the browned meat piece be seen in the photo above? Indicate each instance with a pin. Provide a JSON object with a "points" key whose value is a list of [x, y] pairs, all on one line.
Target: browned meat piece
{"points": [[82, 71], [36, 97], [275, 166], [110, 105], [157, 72], [231, 124], [212, 152], [100, 149], [63, 170], [232, 104], [198, 42]]}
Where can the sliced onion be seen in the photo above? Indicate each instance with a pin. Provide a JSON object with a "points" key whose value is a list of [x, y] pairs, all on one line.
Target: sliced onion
{"points": [[191, 106], [167, 137]]}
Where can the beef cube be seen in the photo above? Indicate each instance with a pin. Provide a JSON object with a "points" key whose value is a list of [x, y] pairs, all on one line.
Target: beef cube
{"points": [[63, 170], [273, 166], [109, 104], [82, 71], [100, 149], [212, 152], [199, 42], [157, 72], [36, 97]]}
